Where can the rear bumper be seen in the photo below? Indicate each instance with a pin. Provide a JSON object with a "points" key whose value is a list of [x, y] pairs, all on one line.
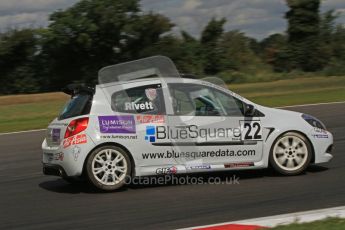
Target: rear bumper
{"points": [[65, 161], [54, 170]]}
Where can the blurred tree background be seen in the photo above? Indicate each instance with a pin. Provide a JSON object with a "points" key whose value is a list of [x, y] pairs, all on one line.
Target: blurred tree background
{"points": [[95, 33]]}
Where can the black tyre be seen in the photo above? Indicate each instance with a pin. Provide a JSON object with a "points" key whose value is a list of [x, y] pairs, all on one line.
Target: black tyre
{"points": [[108, 167], [290, 154]]}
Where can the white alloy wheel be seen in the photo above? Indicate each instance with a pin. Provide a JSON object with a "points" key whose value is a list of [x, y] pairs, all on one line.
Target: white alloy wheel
{"points": [[291, 154], [108, 167]]}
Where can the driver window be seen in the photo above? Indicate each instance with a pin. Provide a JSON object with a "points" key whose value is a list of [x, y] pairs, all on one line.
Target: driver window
{"points": [[206, 103], [198, 100], [233, 107]]}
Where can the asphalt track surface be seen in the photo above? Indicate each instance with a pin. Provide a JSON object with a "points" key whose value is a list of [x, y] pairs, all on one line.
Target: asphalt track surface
{"points": [[30, 200]]}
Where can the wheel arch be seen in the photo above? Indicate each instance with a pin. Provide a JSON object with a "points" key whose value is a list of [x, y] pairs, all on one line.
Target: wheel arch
{"points": [[116, 145], [312, 160]]}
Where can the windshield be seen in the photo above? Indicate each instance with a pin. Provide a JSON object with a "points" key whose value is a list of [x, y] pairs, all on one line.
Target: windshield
{"points": [[157, 66], [79, 104]]}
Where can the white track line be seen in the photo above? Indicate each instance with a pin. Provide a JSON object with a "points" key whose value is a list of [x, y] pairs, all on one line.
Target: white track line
{"points": [[300, 217], [338, 102], [27, 131], [273, 221], [306, 105]]}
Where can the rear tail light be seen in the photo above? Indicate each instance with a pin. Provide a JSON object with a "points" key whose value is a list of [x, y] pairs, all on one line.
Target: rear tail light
{"points": [[76, 126]]}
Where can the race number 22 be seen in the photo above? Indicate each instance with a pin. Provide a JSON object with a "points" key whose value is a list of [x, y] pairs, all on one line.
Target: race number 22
{"points": [[251, 130]]}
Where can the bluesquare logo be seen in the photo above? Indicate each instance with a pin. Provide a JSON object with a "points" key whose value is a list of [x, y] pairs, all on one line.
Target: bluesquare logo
{"points": [[150, 133]]}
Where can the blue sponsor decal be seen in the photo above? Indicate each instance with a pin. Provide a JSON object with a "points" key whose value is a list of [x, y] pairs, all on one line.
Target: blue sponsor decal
{"points": [[320, 135], [150, 133], [203, 166]]}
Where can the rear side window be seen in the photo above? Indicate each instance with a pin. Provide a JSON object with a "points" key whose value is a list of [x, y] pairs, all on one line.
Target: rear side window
{"points": [[142, 100], [78, 105]]}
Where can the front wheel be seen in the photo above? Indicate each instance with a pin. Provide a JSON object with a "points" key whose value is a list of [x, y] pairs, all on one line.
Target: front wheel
{"points": [[108, 167], [291, 154]]}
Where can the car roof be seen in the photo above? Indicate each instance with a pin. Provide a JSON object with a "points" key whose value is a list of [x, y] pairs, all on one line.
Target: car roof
{"points": [[154, 79]]}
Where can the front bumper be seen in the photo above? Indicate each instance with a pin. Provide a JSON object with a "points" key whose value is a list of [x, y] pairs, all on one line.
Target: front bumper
{"points": [[323, 145]]}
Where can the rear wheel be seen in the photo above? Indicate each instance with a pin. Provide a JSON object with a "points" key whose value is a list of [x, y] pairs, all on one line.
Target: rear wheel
{"points": [[108, 167], [291, 154]]}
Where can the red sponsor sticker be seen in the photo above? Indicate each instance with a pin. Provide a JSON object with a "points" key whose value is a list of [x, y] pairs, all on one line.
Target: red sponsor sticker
{"points": [[59, 156], [238, 165], [144, 119], [75, 140]]}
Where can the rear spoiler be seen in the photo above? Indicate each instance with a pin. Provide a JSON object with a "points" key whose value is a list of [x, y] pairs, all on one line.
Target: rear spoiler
{"points": [[77, 88], [156, 66]]}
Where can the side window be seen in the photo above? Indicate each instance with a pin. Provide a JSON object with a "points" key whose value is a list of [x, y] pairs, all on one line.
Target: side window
{"points": [[142, 100], [198, 100], [233, 107], [181, 101]]}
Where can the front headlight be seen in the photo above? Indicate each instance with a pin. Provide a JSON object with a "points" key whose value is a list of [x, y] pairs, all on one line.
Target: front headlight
{"points": [[313, 121]]}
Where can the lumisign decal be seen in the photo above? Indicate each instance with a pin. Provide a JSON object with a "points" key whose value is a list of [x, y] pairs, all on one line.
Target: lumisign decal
{"points": [[154, 133], [117, 124]]}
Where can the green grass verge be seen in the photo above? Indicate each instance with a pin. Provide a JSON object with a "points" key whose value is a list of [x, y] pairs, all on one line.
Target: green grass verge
{"points": [[36, 111], [294, 91], [327, 224], [28, 116]]}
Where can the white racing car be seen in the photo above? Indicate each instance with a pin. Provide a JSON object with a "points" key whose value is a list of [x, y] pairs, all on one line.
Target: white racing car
{"points": [[145, 119]]}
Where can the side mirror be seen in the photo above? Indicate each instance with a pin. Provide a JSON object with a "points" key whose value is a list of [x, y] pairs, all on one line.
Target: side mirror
{"points": [[249, 110]]}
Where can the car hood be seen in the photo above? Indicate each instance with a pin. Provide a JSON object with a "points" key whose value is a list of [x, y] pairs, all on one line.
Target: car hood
{"points": [[282, 118], [278, 112]]}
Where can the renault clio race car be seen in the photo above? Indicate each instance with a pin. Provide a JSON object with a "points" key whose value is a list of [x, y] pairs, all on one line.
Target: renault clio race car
{"points": [[144, 119]]}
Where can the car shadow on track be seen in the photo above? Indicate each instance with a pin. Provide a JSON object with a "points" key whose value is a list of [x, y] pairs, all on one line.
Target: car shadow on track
{"points": [[61, 186]]}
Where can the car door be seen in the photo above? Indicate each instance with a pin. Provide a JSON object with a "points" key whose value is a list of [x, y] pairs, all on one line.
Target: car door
{"points": [[208, 128], [142, 105]]}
